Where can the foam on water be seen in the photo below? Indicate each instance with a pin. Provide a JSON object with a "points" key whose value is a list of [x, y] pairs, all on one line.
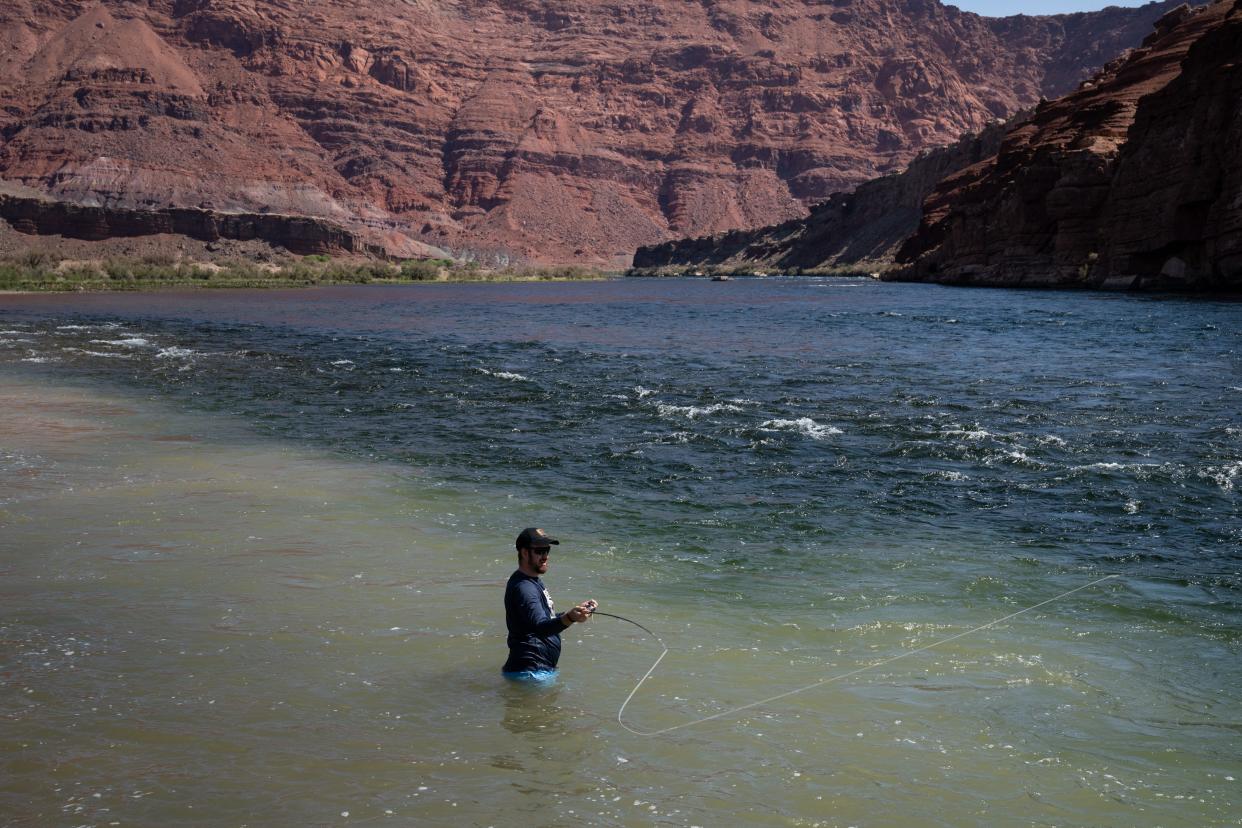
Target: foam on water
{"points": [[104, 354], [1224, 475], [1136, 471], [128, 342], [969, 434], [505, 375], [691, 412], [803, 425], [1117, 467]]}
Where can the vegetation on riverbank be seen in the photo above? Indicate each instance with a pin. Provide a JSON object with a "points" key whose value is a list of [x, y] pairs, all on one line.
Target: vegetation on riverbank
{"points": [[44, 271], [871, 270]]}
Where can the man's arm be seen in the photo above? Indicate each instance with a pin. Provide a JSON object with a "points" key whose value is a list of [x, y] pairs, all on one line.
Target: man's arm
{"points": [[532, 614]]}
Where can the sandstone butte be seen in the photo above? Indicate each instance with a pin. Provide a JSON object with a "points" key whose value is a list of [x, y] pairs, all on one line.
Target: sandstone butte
{"points": [[514, 129], [1134, 180]]}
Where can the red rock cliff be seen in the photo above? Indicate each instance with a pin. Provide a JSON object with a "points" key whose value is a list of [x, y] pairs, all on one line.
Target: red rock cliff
{"points": [[1134, 180], [1174, 209], [864, 227], [531, 128]]}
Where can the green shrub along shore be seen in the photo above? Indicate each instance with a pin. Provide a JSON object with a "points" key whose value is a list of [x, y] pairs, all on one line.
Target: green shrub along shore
{"points": [[867, 269], [40, 271]]}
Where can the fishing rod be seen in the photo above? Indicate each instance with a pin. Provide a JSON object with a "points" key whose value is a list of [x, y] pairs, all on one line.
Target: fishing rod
{"points": [[630, 621], [733, 710]]}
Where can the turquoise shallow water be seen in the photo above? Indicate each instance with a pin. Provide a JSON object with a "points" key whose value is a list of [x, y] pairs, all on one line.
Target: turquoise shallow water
{"points": [[315, 492]]}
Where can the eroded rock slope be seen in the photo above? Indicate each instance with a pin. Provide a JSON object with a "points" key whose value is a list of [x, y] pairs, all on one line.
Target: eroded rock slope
{"points": [[1133, 180], [859, 229], [527, 128]]}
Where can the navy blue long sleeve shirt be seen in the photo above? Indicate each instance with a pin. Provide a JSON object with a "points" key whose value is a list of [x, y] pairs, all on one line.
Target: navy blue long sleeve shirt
{"points": [[534, 629]]}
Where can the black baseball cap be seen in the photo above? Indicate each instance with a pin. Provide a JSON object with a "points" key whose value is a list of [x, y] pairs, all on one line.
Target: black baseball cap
{"points": [[533, 538]]}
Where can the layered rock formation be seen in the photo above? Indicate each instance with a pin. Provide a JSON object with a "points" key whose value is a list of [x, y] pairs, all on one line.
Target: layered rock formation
{"points": [[1134, 180], [527, 128], [1174, 208], [43, 217], [863, 228]]}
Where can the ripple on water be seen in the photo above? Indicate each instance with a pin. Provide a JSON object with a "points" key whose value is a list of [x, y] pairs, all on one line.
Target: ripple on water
{"points": [[787, 484]]}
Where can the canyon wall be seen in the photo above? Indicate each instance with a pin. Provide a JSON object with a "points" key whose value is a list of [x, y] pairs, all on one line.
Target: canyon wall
{"points": [[860, 229], [1174, 208], [516, 129], [1132, 181]]}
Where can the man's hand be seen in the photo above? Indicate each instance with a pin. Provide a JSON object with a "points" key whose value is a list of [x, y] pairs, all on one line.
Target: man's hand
{"points": [[582, 612]]}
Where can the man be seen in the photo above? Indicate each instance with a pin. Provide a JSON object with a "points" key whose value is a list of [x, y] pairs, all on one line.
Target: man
{"points": [[534, 629]]}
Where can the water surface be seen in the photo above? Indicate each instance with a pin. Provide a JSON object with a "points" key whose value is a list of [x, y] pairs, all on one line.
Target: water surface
{"points": [[254, 545]]}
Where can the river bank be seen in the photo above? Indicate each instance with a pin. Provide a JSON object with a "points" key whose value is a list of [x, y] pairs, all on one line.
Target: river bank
{"points": [[860, 270], [42, 272]]}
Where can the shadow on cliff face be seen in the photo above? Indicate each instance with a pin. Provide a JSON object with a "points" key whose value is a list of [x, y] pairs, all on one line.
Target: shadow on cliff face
{"points": [[1133, 181]]}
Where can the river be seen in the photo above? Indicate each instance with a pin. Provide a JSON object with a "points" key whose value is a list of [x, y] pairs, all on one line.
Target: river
{"points": [[253, 547]]}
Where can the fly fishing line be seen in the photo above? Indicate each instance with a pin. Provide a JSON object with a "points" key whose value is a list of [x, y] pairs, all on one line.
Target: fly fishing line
{"points": [[731, 711]]}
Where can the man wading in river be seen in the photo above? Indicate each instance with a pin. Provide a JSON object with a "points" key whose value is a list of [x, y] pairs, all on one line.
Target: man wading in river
{"points": [[534, 629]]}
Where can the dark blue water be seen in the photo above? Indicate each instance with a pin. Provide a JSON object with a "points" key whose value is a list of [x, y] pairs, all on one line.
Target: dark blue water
{"points": [[746, 426]]}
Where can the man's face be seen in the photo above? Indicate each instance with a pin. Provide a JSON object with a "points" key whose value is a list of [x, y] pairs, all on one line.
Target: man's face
{"points": [[537, 559]]}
